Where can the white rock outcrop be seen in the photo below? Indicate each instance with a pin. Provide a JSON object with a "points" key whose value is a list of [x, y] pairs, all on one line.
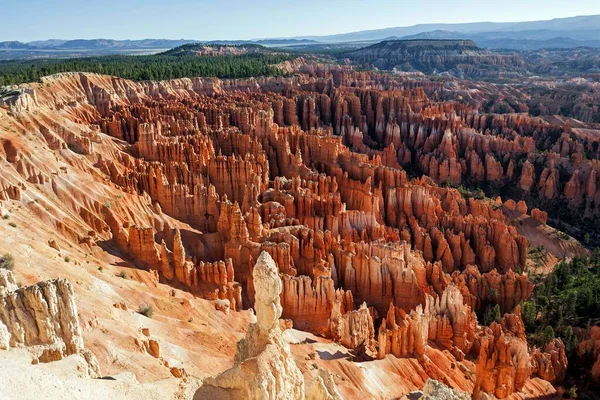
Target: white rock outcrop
{"points": [[264, 367], [4, 337], [434, 390], [323, 387], [41, 314], [18, 100], [43, 318], [7, 281]]}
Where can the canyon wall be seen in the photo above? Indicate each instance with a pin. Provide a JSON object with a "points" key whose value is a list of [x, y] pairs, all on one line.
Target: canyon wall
{"points": [[350, 181]]}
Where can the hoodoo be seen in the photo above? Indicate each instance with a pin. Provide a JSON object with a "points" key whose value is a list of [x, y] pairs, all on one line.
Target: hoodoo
{"points": [[264, 367]]}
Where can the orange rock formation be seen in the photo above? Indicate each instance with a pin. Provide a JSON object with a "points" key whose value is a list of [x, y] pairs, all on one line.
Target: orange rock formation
{"points": [[312, 169]]}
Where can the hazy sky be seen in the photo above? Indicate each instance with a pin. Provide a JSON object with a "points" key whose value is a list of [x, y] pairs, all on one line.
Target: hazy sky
{"points": [[27, 20]]}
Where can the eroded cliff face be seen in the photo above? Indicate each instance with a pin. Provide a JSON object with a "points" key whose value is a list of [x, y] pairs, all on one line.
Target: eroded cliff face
{"points": [[462, 57], [198, 179], [42, 318]]}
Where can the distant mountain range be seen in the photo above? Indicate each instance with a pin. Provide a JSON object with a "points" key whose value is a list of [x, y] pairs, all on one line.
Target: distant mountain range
{"points": [[93, 47], [520, 40], [93, 44], [583, 31], [97, 44], [583, 28]]}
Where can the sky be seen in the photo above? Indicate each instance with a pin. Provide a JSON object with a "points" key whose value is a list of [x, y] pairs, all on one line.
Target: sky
{"points": [[27, 20]]}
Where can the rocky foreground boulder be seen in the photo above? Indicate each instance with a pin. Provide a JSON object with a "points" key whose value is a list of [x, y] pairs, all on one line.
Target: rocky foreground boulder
{"points": [[42, 318]]}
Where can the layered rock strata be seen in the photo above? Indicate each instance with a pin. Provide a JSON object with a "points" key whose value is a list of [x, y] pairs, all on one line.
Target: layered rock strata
{"points": [[314, 170], [43, 318]]}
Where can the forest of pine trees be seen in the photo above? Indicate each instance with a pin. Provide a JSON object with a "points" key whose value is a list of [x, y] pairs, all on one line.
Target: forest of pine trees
{"points": [[152, 67], [565, 305], [569, 298]]}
